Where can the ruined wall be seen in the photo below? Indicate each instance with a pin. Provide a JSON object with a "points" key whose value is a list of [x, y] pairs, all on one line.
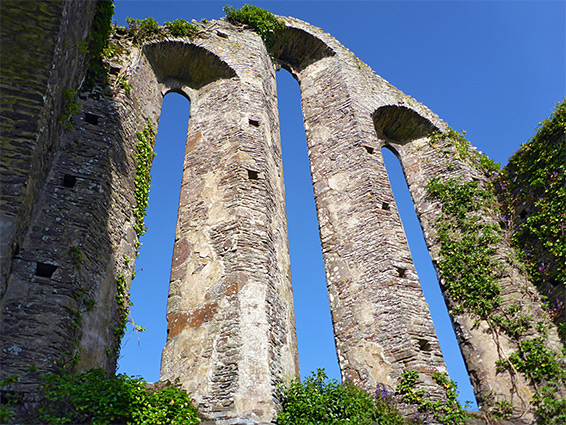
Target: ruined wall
{"points": [[73, 224], [40, 60]]}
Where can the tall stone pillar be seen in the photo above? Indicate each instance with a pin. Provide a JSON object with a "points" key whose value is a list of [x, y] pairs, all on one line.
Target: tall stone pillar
{"points": [[230, 315], [382, 325]]}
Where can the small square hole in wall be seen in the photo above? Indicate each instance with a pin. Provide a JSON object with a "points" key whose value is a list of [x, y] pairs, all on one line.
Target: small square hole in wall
{"points": [[253, 175], [254, 123], [424, 345], [69, 181], [45, 270], [369, 149], [91, 118], [385, 206], [401, 271]]}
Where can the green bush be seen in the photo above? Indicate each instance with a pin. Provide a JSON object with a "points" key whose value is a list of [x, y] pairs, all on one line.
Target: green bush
{"points": [[96, 397], [260, 20], [181, 28], [319, 400], [141, 29]]}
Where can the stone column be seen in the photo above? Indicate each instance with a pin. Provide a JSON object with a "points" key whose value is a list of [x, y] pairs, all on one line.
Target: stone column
{"points": [[381, 321], [231, 327]]}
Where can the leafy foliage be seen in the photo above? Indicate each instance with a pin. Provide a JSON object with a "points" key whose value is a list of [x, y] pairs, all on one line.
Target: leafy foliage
{"points": [[100, 398], [260, 20], [144, 159], [447, 412], [181, 28], [467, 245], [463, 150], [70, 107], [532, 189], [97, 42], [318, 400], [546, 369]]}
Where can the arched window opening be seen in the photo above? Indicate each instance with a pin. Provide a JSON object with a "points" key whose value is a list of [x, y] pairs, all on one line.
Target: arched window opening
{"points": [[428, 279], [312, 312], [141, 352]]}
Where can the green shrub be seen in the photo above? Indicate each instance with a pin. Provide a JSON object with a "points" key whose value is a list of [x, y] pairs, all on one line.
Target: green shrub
{"points": [[141, 29], [181, 28], [260, 20], [319, 400], [96, 397]]}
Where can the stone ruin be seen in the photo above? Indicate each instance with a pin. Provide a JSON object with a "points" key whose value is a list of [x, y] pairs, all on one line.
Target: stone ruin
{"points": [[68, 192]]}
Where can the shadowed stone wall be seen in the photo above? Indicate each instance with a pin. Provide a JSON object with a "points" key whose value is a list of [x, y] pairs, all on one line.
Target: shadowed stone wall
{"points": [[68, 196]]}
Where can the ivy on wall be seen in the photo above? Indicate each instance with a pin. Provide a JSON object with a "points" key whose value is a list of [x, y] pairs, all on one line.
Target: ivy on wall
{"points": [[532, 190], [532, 183], [144, 159]]}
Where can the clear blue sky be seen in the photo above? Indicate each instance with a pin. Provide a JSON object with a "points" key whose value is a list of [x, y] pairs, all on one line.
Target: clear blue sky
{"points": [[492, 68]]}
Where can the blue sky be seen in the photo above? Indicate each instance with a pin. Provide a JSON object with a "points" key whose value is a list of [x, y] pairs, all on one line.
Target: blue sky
{"points": [[492, 68]]}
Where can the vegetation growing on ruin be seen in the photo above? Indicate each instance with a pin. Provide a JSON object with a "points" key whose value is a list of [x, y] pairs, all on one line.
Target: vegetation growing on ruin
{"points": [[319, 400], [468, 241], [534, 179], [101, 398], [447, 412], [148, 28], [97, 42], [144, 159], [532, 190], [70, 107], [181, 28], [463, 150], [262, 21]]}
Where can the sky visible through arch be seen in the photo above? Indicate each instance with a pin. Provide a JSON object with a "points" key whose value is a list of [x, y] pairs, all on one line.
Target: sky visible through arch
{"points": [[492, 68]]}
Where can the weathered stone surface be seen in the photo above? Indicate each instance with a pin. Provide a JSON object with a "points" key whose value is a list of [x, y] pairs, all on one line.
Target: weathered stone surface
{"points": [[68, 194]]}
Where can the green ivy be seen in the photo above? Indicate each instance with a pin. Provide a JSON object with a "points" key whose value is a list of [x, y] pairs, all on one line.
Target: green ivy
{"points": [[448, 411], [532, 189], [545, 369], [262, 21], [144, 159], [97, 42], [467, 245], [463, 151], [70, 107], [96, 397]]}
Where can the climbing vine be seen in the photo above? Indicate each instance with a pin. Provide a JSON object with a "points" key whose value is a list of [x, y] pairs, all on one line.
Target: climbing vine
{"points": [[448, 411], [456, 144], [96, 43], [532, 190], [144, 159], [467, 243], [70, 107], [468, 240]]}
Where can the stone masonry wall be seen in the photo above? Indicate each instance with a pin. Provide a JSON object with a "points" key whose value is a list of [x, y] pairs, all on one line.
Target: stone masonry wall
{"points": [[40, 59], [231, 333], [68, 194]]}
